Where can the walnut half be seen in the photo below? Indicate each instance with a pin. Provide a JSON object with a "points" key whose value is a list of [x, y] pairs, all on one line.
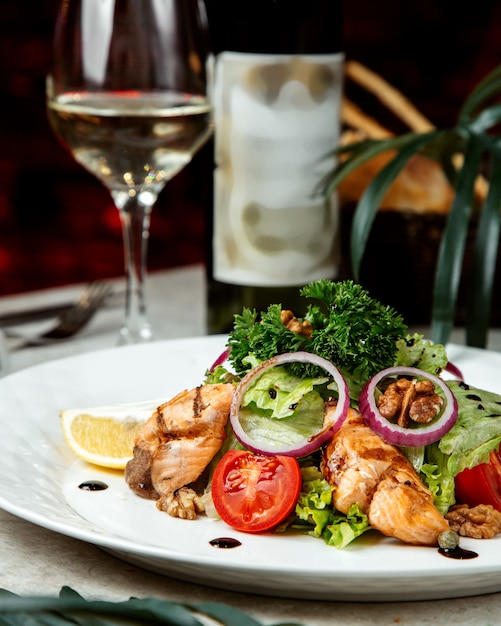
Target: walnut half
{"points": [[479, 522], [184, 503], [414, 400], [290, 321]]}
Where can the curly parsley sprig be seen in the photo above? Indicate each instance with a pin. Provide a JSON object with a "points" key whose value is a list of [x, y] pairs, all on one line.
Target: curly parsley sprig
{"points": [[354, 331]]}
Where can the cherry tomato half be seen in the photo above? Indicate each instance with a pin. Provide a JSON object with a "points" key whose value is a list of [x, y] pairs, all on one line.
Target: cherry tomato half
{"points": [[481, 484], [255, 492]]}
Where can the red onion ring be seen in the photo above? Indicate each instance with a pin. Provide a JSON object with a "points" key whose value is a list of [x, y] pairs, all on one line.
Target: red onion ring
{"points": [[454, 371], [395, 434], [222, 358], [310, 444]]}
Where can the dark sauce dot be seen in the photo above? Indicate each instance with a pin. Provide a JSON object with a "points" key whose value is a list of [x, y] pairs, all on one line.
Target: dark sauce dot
{"points": [[458, 553], [225, 542], [293, 406], [473, 396], [464, 386], [410, 342], [480, 407], [93, 485], [272, 393]]}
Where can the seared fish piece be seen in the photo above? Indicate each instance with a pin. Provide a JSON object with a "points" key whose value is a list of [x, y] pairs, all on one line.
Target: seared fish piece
{"points": [[175, 446], [364, 469]]}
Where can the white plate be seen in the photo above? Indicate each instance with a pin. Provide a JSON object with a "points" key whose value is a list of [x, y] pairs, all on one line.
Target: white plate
{"points": [[40, 478]]}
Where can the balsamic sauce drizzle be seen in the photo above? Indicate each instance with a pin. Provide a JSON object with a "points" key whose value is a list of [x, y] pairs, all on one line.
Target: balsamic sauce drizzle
{"points": [[458, 553], [93, 485], [225, 542]]}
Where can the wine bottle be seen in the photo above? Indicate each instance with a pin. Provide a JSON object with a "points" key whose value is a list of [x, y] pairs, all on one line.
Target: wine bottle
{"points": [[276, 94]]}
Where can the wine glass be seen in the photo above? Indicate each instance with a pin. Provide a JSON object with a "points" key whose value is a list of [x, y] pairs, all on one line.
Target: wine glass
{"points": [[127, 95], [4, 355]]}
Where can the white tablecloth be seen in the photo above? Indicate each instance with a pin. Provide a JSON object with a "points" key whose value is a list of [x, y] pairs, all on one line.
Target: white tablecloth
{"points": [[34, 560]]}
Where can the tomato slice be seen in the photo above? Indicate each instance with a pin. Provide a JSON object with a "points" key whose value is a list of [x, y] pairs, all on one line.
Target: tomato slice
{"points": [[255, 492], [481, 484]]}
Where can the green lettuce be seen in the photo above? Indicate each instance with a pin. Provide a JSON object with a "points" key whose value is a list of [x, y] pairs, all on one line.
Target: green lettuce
{"points": [[288, 392], [316, 514], [437, 477], [477, 431], [415, 351], [282, 408]]}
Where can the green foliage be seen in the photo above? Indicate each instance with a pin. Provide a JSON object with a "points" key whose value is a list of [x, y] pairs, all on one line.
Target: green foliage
{"points": [[477, 431], [437, 477], [262, 336], [415, 351], [316, 515], [475, 137], [71, 608], [352, 330]]}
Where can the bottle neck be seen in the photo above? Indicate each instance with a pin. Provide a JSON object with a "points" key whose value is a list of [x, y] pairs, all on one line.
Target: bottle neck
{"points": [[276, 26]]}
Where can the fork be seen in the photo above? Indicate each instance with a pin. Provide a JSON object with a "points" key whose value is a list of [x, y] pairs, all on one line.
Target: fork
{"points": [[71, 321]]}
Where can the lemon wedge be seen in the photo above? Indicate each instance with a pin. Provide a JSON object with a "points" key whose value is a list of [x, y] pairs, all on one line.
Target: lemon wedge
{"points": [[105, 435]]}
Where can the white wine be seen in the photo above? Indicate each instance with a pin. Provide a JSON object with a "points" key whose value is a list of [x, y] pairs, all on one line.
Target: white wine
{"points": [[131, 142], [276, 98]]}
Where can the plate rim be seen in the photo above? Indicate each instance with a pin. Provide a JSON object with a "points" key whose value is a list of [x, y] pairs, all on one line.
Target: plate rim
{"points": [[116, 544]]}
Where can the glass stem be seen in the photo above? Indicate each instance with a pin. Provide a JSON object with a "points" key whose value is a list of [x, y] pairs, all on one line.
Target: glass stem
{"points": [[135, 212]]}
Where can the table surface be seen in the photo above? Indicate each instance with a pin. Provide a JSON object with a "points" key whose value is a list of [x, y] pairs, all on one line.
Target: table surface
{"points": [[38, 561]]}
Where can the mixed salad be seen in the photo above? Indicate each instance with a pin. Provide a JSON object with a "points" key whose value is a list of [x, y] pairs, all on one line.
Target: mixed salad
{"points": [[296, 379]]}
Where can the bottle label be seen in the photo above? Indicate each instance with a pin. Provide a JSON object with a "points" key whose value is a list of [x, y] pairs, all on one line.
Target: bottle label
{"points": [[277, 121]]}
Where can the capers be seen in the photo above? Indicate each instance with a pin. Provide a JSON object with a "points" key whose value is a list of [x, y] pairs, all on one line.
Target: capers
{"points": [[448, 540]]}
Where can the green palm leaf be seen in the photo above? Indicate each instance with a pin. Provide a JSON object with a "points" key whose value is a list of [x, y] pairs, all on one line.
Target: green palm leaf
{"points": [[476, 137], [452, 246], [71, 608], [486, 89], [368, 205], [484, 262], [361, 152], [485, 120]]}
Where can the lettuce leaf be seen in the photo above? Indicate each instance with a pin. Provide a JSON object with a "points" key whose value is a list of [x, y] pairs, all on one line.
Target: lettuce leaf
{"points": [[282, 408], [477, 431], [437, 477], [317, 515], [415, 351], [288, 391]]}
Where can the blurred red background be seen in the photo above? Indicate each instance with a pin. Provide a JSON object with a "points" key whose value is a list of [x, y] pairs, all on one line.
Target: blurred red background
{"points": [[58, 224]]}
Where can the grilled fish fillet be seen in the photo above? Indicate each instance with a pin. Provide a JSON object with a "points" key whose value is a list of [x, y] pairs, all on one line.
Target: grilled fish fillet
{"points": [[175, 446], [364, 469]]}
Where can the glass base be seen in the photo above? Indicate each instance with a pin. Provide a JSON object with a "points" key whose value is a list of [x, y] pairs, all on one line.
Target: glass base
{"points": [[128, 336]]}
